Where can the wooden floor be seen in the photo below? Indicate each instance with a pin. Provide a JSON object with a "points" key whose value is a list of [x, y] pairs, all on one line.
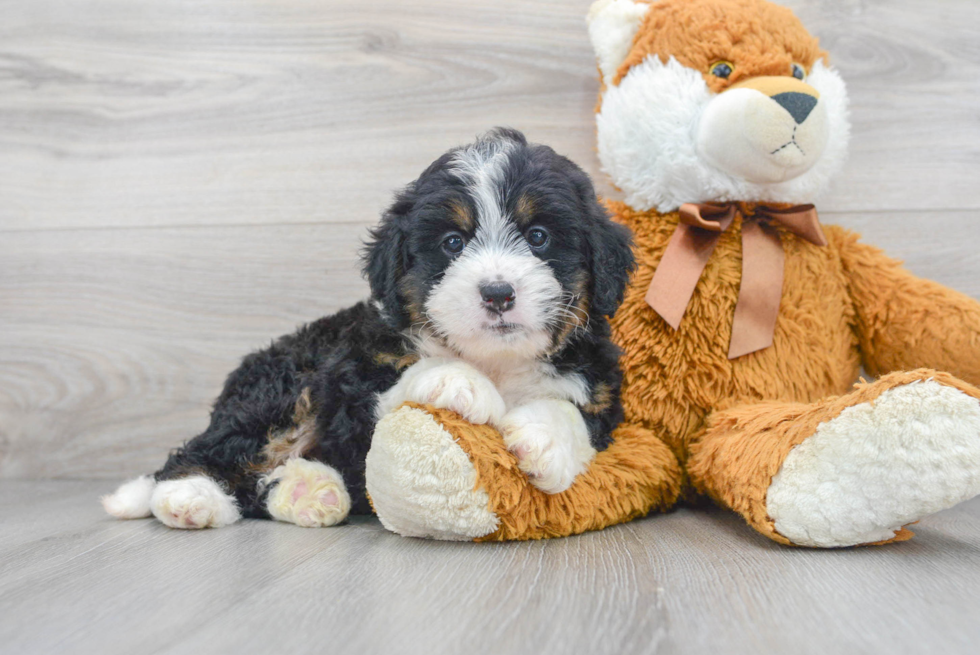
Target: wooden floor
{"points": [[183, 180], [74, 581]]}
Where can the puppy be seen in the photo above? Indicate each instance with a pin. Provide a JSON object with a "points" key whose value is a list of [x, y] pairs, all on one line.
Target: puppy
{"points": [[491, 279]]}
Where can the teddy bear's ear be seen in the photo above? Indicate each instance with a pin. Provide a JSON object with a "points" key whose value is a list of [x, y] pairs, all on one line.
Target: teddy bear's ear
{"points": [[612, 26]]}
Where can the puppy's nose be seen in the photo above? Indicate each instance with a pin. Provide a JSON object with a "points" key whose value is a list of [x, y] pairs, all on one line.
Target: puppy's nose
{"points": [[498, 297], [799, 105]]}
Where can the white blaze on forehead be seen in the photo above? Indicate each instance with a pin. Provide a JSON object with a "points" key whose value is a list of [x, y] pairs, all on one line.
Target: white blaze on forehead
{"points": [[481, 168]]}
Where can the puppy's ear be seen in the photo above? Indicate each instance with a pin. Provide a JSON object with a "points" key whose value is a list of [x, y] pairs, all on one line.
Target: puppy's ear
{"points": [[386, 258], [611, 246]]}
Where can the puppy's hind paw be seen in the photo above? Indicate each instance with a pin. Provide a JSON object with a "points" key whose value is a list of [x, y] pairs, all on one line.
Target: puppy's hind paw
{"points": [[309, 494], [192, 503]]}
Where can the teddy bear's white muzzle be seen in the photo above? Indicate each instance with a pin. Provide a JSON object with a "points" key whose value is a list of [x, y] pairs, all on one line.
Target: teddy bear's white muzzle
{"points": [[764, 136]]}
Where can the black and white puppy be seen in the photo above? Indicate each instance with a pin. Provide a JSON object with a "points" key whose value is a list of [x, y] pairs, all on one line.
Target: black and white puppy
{"points": [[491, 279]]}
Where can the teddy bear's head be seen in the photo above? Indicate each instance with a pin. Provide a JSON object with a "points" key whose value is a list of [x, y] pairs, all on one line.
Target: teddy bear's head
{"points": [[714, 100]]}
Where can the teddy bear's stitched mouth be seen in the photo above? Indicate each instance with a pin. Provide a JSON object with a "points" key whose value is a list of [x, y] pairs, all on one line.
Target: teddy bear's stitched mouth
{"points": [[791, 142]]}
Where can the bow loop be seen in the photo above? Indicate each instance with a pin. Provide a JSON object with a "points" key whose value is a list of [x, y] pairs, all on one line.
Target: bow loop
{"points": [[691, 246], [711, 216], [801, 220]]}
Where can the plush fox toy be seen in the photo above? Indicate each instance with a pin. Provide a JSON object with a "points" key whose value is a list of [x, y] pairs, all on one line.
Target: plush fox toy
{"points": [[745, 324]]}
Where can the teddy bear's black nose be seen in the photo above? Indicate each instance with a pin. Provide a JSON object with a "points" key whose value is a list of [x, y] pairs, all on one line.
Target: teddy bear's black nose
{"points": [[799, 105]]}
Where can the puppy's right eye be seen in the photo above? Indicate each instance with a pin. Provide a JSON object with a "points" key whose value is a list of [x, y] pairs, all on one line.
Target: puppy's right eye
{"points": [[453, 244]]}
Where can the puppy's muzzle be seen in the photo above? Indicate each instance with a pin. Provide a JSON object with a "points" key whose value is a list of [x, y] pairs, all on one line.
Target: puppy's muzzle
{"points": [[498, 297]]}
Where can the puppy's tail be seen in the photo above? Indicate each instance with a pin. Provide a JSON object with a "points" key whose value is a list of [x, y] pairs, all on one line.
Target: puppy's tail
{"points": [[132, 499]]}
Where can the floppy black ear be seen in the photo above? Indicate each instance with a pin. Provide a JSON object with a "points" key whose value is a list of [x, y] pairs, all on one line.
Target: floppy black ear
{"points": [[611, 246], [386, 258]]}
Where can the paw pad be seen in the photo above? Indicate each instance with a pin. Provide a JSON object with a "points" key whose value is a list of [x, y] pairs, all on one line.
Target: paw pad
{"points": [[309, 494], [192, 503]]}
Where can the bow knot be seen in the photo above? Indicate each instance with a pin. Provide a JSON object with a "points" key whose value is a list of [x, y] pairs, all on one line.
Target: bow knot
{"points": [[690, 248]]}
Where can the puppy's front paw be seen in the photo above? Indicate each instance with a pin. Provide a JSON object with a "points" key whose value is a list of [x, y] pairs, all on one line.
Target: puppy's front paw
{"points": [[551, 443], [459, 387]]}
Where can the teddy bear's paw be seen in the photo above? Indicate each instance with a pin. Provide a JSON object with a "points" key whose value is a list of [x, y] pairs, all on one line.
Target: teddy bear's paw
{"points": [[551, 443], [458, 387], [421, 483], [192, 503], [307, 493], [878, 466]]}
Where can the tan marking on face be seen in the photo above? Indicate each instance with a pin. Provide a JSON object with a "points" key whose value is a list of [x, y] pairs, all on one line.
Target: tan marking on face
{"points": [[524, 210], [577, 313], [413, 304], [758, 38], [398, 361], [461, 215], [601, 399], [294, 441]]}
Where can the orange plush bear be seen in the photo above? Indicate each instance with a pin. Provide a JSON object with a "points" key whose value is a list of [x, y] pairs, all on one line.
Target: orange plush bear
{"points": [[745, 324]]}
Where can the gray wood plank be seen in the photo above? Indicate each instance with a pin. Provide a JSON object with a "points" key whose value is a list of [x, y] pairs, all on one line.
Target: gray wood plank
{"points": [[694, 581], [114, 343], [238, 111]]}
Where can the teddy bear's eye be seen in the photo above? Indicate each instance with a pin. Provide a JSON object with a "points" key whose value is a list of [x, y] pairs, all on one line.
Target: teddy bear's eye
{"points": [[799, 72], [722, 69]]}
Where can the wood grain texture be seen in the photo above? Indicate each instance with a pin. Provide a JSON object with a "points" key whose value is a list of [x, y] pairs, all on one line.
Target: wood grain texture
{"points": [[115, 342], [115, 113], [690, 582], [181, 182]]}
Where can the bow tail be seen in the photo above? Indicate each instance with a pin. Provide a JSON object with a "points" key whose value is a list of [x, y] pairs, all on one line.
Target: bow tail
{"points": [[679, 270], [760, 291]]}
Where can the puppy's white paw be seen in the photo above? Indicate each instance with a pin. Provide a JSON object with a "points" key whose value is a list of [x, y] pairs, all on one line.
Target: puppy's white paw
{"points": [[192, 503], [551, 443], [309, 494], [452, 385], [132, 499]]}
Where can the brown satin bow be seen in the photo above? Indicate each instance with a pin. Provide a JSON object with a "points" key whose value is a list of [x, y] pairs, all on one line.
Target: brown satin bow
{"points": [[762, 265]]}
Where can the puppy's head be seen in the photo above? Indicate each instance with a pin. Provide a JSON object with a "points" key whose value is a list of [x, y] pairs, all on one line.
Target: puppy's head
{"points": [[499, 248], [727, 100]]}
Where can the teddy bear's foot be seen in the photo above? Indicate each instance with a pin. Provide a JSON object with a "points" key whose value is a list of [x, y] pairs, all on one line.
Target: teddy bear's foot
{"points": [[879, 466], [850, 470], [421, 483]]}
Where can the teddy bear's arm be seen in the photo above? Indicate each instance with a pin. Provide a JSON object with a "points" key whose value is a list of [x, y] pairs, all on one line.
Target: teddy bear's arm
{"points": [[904, 322]]}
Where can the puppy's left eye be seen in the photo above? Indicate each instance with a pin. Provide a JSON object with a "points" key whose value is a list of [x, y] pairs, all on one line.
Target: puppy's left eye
{"points": [[537, 238], [453, 244], [799, 72]]}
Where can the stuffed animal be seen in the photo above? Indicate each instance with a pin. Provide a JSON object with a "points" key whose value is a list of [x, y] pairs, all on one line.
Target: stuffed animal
{"points": [[745, 324]]}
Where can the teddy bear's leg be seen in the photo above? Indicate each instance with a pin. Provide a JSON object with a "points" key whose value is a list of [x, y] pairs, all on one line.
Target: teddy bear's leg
{"points": [[432, 474], [848, 470]]}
